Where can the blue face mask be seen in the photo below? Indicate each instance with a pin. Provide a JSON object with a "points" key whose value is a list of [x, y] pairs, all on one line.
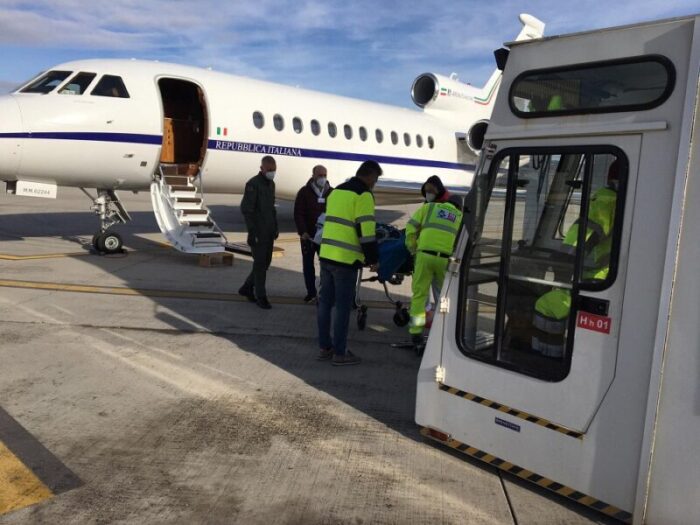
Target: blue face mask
{"points": [[430, 197], [270, 175]]}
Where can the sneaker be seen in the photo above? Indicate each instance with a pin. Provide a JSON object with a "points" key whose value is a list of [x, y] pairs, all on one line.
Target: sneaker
{"points": [[247, 293], [310, 299], [325, 354], [263, 303], [345, 360]]}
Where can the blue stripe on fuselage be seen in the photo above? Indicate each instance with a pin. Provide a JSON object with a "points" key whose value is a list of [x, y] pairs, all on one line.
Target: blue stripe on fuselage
{"points": [[241, 147], [134, 138], [270, 149]]}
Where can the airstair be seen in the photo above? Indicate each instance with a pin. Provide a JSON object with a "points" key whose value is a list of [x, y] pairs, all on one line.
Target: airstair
{"points": [[178, 203]]}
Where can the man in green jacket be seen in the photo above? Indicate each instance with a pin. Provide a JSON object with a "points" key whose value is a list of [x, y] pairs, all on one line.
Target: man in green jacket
{"points": [[258, 208]]}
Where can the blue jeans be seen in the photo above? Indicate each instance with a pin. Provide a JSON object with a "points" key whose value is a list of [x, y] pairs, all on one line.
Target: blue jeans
{"points": [[337, 290]]}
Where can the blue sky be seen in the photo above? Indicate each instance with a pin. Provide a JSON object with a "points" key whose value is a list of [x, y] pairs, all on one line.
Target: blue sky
{"points": [[369, 49]]}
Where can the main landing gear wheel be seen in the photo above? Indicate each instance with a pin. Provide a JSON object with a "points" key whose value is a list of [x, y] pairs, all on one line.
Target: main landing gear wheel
{"points": [[362, 317], [108, 242]]}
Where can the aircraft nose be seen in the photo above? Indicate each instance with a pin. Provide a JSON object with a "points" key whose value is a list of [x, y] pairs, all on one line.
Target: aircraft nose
{"points": [[11, 134]]}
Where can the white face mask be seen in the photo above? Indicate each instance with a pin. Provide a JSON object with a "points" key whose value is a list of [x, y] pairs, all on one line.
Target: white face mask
{"points": [[270, 175], [430, 197], [321, 182]]}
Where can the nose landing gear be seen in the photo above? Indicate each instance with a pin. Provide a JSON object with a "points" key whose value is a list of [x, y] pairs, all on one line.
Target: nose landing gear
{"points": [[110, 211]]}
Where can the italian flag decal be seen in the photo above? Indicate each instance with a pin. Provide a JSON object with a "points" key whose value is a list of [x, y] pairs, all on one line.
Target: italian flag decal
{"points": [[443, 92], [221, 132]]}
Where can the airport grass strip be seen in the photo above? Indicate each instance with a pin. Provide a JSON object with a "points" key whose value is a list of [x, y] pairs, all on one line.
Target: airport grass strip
{"points": [[562, 490], [511, 411], [168, 294]]}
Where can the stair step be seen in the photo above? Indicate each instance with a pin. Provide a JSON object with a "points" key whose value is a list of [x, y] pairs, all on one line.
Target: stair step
{"points": [[212, 235], [193, 221], [174, 180], [188, 200], [185, 189], [189, 206], [196, 211]]}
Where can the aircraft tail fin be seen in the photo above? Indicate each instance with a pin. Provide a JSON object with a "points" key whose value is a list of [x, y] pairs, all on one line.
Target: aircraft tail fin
{"points": [[532, 28]]}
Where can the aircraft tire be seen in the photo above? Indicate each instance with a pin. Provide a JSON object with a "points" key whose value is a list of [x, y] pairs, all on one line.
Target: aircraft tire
{"points": [[109, 242]]}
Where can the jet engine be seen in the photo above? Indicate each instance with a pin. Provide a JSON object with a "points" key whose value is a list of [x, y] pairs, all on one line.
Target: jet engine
{"points": [[475, 135], [433, 91]]}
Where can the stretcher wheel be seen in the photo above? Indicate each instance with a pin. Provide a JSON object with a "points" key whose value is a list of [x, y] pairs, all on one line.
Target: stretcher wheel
{"points": [[362, 317], [401, 317]]}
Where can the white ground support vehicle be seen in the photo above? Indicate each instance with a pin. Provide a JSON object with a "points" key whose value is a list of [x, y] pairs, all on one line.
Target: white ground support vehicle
{"points": [[602, 405]]}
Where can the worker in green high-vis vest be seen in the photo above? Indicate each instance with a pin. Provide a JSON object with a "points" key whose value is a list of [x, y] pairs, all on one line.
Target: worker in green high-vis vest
{"points": [[551, 316], [430, 237]]}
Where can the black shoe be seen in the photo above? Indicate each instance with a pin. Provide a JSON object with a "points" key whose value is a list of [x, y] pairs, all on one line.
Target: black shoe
{"points": [[417, 339], [310, 299], [263, 303], [247, 293]]}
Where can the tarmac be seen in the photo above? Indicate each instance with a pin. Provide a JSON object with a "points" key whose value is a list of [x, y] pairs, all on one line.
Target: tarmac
{"points": [[140, 388]]}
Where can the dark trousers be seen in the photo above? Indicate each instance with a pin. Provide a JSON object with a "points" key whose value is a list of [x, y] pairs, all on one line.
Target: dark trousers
{"points": [[309, 249], [262, 257], [337, 291]]}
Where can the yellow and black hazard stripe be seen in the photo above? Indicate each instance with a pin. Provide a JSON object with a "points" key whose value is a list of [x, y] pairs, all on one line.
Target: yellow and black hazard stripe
{"points": [[562, 490], [512, 411]]}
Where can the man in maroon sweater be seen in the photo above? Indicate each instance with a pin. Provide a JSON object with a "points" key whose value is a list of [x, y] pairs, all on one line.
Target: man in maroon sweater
{"points": [[309, 204]]}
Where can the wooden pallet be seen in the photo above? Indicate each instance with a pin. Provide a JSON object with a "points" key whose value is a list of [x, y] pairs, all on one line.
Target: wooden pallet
{"points": [[216, 259]]}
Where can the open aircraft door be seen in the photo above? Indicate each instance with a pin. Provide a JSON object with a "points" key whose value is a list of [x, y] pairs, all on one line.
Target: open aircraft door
{"points": [[522, 368]]}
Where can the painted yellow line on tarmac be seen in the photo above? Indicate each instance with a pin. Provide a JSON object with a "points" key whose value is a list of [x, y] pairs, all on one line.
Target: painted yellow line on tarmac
{"points": [[7, 257], [169, 294], [19, 487]]}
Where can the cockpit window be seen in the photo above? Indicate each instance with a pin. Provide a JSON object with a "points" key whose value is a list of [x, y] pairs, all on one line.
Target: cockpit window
{"points": [[78, 84], [110, 86], [47, 82]]}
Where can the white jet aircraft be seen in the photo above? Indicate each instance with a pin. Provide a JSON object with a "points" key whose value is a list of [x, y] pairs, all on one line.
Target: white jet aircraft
{"points": [[138, 125]]}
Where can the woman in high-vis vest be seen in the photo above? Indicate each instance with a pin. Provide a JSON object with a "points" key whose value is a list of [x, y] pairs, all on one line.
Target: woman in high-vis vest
{"points": [[348, 243]]}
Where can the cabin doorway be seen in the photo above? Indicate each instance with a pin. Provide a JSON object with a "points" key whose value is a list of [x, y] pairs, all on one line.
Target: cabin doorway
{"points": [[184, 124]]}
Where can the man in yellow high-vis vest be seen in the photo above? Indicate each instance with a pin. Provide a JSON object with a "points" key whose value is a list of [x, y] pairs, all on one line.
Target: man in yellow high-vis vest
{"points": [[430, 236], [348, 243]]}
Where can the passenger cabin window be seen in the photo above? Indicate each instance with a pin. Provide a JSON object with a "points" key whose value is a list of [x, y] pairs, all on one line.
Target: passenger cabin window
{"points": [[546, 225], [78, 84], [394, 138], [110, 86], [278, 122], [379, 135], [419, 141], [315, 127], [407, 139], [297, 125], [363, 133], [332, 129], [631, 84], [431, 142], [347, 129], [47, 82], [258, 120]]}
